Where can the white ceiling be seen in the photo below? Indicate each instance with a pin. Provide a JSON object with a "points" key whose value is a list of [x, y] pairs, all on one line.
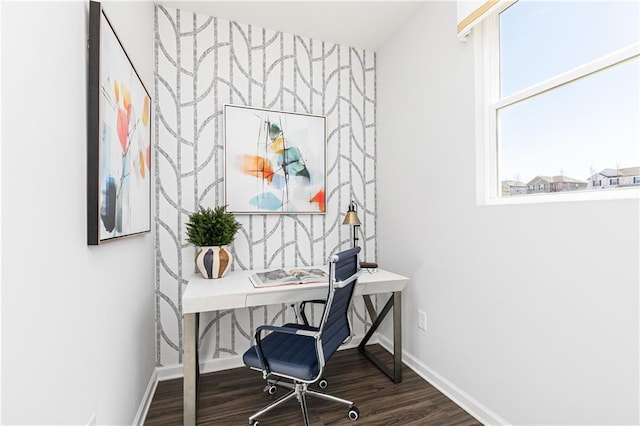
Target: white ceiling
{"points": [[362, 24]]}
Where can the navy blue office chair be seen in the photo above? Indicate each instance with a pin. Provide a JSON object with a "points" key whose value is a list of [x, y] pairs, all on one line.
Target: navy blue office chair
{"points": [[299, 352]]}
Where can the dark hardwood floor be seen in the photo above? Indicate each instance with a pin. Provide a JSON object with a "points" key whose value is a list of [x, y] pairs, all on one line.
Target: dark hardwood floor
{"points": [[229, 397]]}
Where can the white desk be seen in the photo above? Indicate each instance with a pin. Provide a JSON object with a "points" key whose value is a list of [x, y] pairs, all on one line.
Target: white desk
{"points": [[236, 291]]}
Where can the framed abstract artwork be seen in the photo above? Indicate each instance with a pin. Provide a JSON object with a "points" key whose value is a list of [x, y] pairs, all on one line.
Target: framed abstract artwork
{"points": [[118, 140], [275, 161]]}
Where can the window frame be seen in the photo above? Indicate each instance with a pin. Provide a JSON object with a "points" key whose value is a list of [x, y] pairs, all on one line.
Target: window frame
{"points": [[486, 38]]}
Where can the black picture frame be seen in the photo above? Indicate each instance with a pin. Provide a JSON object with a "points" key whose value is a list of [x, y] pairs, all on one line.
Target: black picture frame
{"points": [[118, 138]]}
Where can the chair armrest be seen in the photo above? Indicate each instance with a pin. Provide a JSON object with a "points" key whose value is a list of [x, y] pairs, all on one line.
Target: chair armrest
{"points": [[322, 301], [284, 330], [340, 284], [302, 305]]}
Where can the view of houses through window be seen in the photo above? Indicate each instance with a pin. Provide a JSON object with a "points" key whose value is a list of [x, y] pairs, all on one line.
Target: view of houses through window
{"points": [[604, 179], [567, 117]]}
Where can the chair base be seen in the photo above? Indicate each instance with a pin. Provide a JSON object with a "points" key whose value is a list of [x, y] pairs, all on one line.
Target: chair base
{"points": [[300, 390]]}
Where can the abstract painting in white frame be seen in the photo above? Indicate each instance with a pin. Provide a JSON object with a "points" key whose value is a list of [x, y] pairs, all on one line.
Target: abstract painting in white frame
{"points": [[275, 161]]}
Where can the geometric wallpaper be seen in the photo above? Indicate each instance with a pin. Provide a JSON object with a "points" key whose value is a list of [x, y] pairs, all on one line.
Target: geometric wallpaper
{"points": [[202, 63]]}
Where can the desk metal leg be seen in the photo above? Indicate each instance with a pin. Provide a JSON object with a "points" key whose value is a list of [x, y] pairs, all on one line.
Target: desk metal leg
{"points": [[191, 366], [394, 302], [397, 336]]}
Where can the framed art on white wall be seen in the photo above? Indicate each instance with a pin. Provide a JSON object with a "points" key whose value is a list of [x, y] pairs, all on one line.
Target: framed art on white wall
{"points": [[275, 161], [118, 139]]}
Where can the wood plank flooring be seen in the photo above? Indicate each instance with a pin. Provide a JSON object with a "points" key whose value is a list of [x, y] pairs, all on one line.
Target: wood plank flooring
{"points": [[229, 397]]}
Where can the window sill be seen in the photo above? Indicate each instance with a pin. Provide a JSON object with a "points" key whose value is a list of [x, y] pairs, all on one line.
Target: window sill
{"points": [[595, 195]]}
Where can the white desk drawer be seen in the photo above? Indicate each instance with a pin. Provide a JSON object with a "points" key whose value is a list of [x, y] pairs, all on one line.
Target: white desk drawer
{"points": [[288, 295]]}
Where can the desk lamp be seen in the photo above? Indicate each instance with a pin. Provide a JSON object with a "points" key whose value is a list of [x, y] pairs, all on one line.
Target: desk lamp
{"points": [[352, 219]]}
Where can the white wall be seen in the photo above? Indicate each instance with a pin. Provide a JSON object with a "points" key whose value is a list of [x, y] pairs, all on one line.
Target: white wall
{"points": [[522, 317], [77, 321]]}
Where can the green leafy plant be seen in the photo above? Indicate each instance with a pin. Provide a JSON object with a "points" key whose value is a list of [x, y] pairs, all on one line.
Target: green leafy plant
{"points": [[209, 227]]}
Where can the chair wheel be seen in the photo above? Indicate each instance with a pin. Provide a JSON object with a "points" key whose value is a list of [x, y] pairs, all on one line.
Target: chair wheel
{"points": [[323, 383], [271, 389], [254, 423], [354, 413]]}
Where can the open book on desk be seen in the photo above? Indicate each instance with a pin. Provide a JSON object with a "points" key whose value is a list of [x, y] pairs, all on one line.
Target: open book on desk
{"points": [[292, 276]]}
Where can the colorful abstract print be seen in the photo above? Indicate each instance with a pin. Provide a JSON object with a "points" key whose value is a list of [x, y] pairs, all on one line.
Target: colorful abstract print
{"points": [[125, 145], [276, 161]]}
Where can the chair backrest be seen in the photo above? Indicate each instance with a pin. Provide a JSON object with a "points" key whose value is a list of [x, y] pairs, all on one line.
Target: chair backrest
{"points": [[335, 326]]}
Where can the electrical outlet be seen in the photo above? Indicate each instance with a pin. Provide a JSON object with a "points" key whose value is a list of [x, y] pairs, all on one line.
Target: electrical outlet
{"points": [[422, 320]]}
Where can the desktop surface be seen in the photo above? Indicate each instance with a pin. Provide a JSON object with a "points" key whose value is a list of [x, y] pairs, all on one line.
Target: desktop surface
{"points": [[235, 290]]}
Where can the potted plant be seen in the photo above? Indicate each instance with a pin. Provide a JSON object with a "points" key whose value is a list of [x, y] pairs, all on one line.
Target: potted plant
{"points": [[212, 230]]}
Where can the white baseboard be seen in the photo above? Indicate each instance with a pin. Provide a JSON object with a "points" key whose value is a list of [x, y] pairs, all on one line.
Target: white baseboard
{"points": [[465, 401], [143, 409]]}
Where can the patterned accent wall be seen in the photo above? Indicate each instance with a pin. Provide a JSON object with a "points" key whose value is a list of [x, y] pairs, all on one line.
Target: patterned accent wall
{"points": [[204, 62]]}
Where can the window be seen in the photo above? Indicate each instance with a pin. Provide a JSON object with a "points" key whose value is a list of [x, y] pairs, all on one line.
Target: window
{"points": [[559, 94], [613, 181], [636, 180]]}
